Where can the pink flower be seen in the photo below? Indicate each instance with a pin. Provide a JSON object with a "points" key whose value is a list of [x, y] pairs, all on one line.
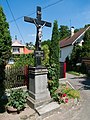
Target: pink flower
{"points": [[66, 100]]}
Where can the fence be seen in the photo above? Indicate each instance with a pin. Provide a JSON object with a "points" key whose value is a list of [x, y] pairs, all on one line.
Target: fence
{"points": [[16, 76], [86, 62]]}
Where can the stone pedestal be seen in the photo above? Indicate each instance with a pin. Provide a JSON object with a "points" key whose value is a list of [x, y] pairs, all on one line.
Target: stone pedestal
{"points": [[38, 91]]}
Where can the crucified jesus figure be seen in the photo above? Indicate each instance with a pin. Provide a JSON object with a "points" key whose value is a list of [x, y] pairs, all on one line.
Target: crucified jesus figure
{"points": [[39, 33]]}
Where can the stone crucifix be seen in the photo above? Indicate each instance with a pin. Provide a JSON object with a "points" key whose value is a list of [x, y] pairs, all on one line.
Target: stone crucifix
{"points": [[39, 25]]}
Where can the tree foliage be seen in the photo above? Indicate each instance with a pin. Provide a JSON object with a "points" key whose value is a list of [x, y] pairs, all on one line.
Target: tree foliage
{"points": [[54, 52], [46, 42], [76, 56], [5, 50], [30, 46], [24, 60], [55, 49], [80, 52], [64, 32], [5, 39], [86, 45], [46, 50]]}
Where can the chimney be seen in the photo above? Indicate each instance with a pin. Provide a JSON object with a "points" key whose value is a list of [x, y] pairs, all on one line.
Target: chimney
{"points": [[15, 37], [72, 31], [20, 41]]}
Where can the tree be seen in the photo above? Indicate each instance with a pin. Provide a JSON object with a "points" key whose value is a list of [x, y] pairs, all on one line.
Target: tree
{"points": [[76, 30], [46, 50], [79, 52], [46, 42], [64, 32], [30, 46], [5, 48], [5, 39], [75, 56], [86, 45], [86, 25], [24, 60], [54, 52]]}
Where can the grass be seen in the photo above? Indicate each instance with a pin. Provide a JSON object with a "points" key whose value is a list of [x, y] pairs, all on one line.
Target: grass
{"points": [[74, 73]]}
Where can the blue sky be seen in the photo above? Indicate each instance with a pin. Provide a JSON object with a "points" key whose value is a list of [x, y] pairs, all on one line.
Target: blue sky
{"points": [[67, 12]]}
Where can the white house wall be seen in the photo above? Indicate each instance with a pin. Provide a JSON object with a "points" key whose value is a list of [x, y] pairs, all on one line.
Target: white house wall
{"points": [[66, 51]]}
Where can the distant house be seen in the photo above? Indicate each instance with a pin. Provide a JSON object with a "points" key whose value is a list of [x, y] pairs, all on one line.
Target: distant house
{"points": [[18, 48], [67, 44]]}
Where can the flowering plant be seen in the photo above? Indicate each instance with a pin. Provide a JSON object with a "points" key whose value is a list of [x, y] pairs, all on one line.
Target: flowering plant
{"points": [[64, 98], [64, 93]]}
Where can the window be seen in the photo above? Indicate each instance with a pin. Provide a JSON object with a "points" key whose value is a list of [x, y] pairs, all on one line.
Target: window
{"points": [[16, 50]]}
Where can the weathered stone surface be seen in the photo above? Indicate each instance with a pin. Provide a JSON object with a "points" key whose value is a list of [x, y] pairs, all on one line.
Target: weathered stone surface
{"points": [[48, 109], [38, 91]]}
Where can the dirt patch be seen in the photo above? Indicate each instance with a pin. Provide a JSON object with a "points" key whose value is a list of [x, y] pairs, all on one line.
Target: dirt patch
{"points": [[27, 113]]}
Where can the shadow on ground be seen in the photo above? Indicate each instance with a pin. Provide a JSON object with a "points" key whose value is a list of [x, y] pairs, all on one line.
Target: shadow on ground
{"points": [[80, 82], [3, 102], [85, 83]]}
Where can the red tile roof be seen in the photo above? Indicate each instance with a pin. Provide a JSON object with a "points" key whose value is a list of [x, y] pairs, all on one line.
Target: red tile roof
{"points": [[26, 51], [70, 40]]}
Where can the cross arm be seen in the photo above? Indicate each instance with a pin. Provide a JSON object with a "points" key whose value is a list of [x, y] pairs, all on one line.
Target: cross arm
{"points": [[29, 19], [38, 22], [47, 24]]}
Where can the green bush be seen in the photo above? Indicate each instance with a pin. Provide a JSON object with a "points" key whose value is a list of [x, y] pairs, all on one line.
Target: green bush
{"points": [[17, 99], [52, 83]]}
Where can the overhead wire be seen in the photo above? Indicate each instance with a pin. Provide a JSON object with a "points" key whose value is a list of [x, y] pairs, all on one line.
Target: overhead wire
{"points": [[52, 4], [15, 20], [42, 9]]}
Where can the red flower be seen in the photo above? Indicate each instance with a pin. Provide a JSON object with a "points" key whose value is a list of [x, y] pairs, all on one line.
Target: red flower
{"points": [[64, 95]]}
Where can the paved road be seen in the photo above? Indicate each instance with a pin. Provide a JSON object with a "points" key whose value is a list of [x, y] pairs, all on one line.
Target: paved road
{"points": [[83, 85], [81, 111]]}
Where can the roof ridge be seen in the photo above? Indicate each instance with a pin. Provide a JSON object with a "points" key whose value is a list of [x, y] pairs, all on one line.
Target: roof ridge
{"points": [[70, 40]]}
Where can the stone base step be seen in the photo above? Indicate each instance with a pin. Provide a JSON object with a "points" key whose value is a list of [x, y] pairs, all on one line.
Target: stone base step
{"points": [[38, 103], [48, 109]]}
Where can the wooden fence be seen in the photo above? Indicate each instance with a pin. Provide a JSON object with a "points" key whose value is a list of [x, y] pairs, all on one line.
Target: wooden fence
{"points": [[16, 76], [86, 61]]}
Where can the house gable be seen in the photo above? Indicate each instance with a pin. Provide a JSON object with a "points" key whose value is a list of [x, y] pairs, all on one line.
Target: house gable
{"points": [[71, 40], [66, 45], [17, 47]]}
